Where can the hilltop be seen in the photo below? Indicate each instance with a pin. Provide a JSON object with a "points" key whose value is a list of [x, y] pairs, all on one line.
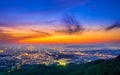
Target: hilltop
{"points": [[98, 67]]}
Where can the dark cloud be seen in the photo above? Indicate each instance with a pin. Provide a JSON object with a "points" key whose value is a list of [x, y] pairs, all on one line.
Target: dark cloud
{"points": [[71, 25], [114, 26]]}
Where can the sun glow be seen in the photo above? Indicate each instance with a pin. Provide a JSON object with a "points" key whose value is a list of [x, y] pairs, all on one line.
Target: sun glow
{"points": [[89, 37]]}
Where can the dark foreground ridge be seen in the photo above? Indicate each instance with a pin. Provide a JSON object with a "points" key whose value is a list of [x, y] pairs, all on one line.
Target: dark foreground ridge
{"points": [[98, 67]]}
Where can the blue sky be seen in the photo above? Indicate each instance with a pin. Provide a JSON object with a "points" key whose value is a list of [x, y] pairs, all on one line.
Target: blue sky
{"points": [[90, 12]]}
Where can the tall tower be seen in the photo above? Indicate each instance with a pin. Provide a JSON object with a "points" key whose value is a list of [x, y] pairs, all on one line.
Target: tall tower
{"points": [[31, 48]]}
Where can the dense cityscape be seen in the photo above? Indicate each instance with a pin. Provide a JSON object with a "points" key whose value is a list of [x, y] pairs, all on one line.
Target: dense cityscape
{"points": [[16, 56]]}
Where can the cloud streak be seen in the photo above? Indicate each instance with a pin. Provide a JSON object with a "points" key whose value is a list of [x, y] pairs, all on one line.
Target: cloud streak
{"points": [[7, 37], [114, 26], [41, 33]]}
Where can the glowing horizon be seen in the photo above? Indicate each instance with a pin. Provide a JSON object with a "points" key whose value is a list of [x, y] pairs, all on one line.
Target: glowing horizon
{"points": [[49, 36]]}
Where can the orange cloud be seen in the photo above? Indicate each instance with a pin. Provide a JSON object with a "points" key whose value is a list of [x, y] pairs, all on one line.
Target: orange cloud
{"points": [[15, 37]]}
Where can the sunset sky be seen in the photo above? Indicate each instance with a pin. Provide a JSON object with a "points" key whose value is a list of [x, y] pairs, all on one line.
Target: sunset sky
{"points": [[46, 21]]}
